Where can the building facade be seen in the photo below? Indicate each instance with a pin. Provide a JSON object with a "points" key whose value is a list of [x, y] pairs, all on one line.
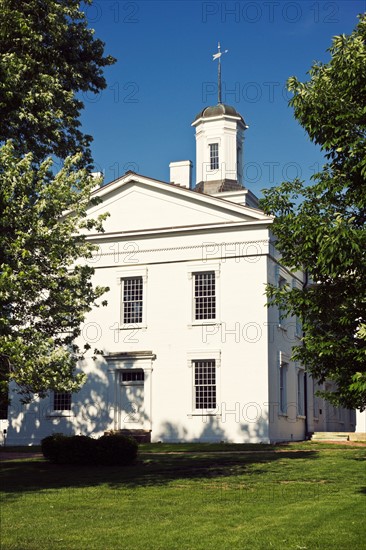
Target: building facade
{"points": [[187, 349]]}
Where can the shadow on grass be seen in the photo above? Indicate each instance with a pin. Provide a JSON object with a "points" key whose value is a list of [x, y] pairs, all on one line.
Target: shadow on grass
{"points": [[151, 470]]}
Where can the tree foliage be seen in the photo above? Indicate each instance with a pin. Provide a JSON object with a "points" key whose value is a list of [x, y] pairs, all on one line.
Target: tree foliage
{"points": [[320, 228], [44, 290], [47, 55]]}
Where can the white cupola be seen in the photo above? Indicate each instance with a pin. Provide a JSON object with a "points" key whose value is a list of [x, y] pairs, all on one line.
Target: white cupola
{"points": [[219, 144], [219, 148]]}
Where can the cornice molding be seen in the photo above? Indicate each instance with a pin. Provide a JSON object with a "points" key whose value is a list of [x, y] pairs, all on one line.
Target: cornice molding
{"points": [[203, 246]]}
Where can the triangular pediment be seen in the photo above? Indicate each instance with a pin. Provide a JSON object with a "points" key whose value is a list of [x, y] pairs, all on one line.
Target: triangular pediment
{"points": [[137, 203]]}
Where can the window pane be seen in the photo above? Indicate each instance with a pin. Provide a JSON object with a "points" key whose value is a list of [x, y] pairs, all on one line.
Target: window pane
{"points": [[214, 156], [205, 295], [316, 401], [205, 384], [283, 382], [300, 393], [132, 300], [132, 375], [62, 401], [281, 312]]}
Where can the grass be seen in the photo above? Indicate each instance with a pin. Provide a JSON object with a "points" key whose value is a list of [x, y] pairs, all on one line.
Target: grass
{"points": [[300, 496]]}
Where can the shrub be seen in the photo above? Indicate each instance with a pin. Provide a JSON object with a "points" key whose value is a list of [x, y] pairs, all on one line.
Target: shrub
{"points": [[62, 449], [51, 446], [77, 449], [116, 449], [108, 450]]}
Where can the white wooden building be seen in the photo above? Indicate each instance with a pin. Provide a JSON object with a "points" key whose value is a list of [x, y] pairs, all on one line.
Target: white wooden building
{"points": [[188, 349]]}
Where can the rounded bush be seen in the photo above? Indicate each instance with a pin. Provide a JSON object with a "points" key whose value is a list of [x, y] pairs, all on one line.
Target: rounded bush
{"points": [[116, 449], [78, 449], [51, 446], [63, 449], [108, 450]]}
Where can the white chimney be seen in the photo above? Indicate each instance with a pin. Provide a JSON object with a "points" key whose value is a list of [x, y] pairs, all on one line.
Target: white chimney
{"points": [[181, 173]]}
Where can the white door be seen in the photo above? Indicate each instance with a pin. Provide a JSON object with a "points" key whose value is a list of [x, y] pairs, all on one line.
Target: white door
{"points": [[131, 409]]}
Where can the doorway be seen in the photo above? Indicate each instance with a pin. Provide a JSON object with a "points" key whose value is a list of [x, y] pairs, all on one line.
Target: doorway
{"points": [[131, 402]]}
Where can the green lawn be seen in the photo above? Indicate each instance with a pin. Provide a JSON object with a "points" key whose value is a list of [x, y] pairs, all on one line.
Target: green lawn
{"points": [[302, 496]]}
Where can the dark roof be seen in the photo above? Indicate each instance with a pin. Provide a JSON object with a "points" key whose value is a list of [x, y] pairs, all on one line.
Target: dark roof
{"points": [[218, 110]]}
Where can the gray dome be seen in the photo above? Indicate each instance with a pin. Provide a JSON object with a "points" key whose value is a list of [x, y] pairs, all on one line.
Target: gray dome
{"points": [[218, 110]]}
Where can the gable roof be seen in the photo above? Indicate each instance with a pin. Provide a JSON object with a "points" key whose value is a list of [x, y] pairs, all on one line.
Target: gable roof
{"points": [[139, 204]]}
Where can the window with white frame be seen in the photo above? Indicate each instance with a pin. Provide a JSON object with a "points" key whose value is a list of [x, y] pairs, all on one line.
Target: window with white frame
{"points": [[281, 312], [214, 156], [3, 408], [298, 324], [298, 327], [300, 392], [132, 377], [132, 300], [204, 384], [204, 295], [283, 386], [239, 163], [4, 399], [62, 401], [315, 401]]}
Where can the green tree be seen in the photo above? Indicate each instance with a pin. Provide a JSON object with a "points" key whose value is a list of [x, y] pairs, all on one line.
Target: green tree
{"points": [[47, 56], [44, 290], [320, 228]]}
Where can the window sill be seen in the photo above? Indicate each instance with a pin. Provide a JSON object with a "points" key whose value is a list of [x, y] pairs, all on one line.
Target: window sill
{"points": [[301, 416], [285, 415], [59, 414], [202, 323], [132, 327], [190, 415]]}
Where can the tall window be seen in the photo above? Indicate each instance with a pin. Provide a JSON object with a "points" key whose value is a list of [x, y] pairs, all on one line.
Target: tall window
{"points": [[300, 392], [283, 388], [281, 313], [132, 295], [205, 384], [4, 397], [62, 401], [298, 327], [4, 403], [214, 156], [315, 400], [238, 163], [204, 295]]}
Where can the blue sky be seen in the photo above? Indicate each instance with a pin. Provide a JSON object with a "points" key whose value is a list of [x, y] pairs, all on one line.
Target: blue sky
{"points": [[165, 75]]}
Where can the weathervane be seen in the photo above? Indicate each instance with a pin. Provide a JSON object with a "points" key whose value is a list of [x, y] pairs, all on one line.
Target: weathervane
{"points": [[218, 56]]}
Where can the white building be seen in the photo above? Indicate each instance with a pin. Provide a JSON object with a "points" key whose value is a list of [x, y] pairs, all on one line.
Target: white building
{"points": [[188, 349]]}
